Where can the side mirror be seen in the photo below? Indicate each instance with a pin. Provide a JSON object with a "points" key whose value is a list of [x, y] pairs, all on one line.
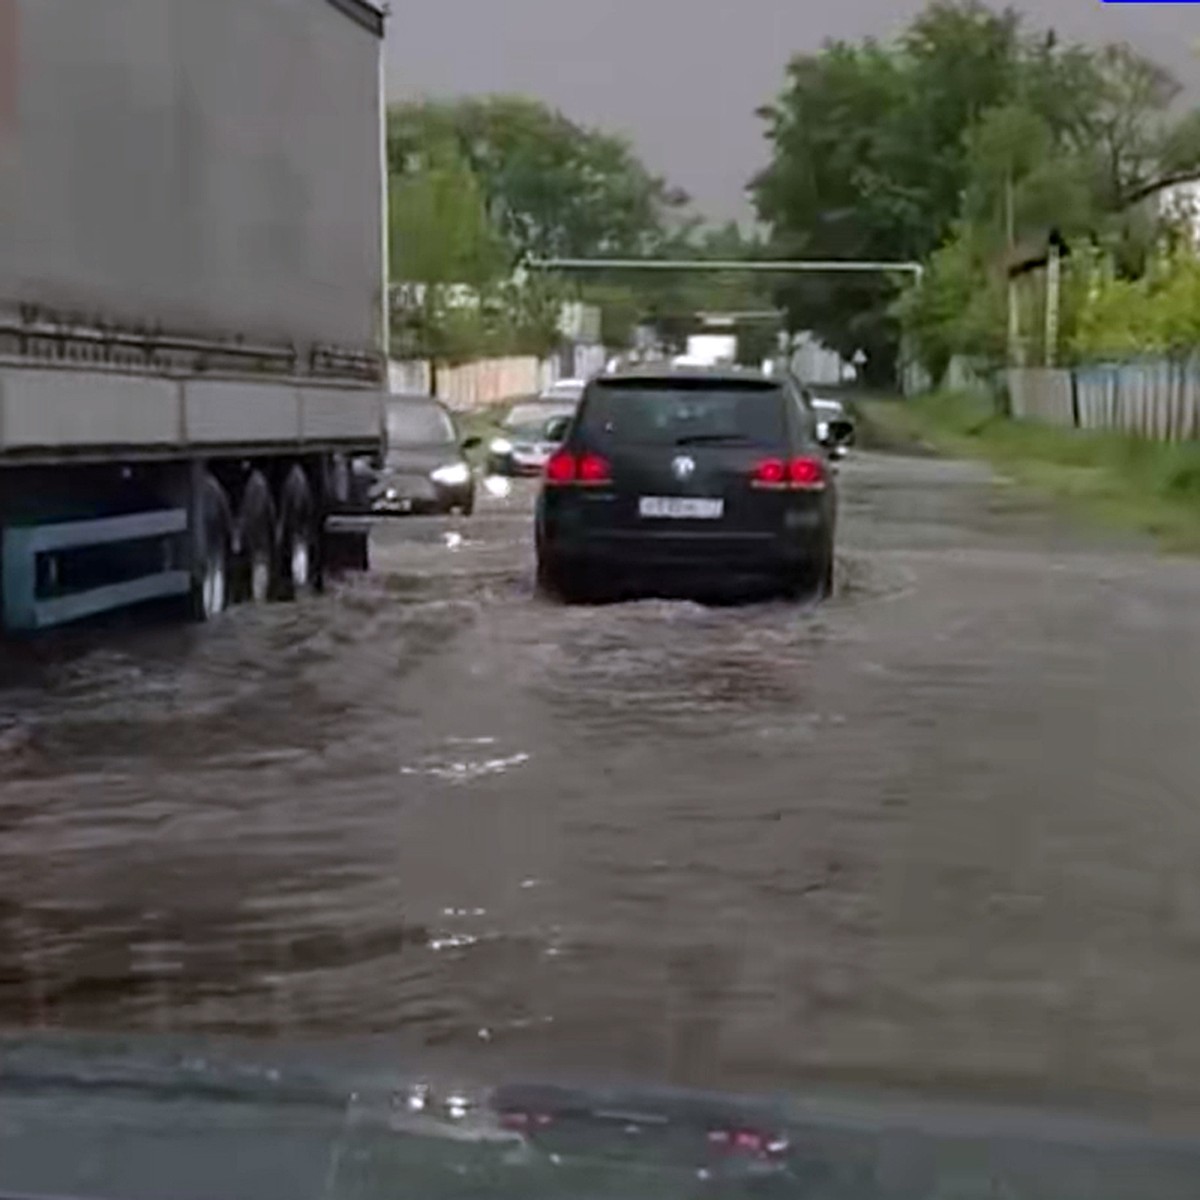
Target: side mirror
{"points": [[556, 429], [472, 443]]}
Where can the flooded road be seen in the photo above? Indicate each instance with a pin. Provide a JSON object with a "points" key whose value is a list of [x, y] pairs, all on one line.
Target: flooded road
{"points": [[942, 831]]}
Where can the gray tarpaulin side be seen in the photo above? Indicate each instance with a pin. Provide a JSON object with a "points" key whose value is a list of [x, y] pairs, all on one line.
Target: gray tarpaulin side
{"points": [[208, 167]]}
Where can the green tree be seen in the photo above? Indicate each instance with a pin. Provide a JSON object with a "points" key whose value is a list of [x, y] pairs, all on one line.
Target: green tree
{"points": [[1021, 182], [439, 237], [956, 144], [552, 187], [869, 161], [440, 232], [959, 308]]}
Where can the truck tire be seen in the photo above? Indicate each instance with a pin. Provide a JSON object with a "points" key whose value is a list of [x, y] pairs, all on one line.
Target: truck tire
{"points": [[299, 543], [213, 544], [256, 572]]}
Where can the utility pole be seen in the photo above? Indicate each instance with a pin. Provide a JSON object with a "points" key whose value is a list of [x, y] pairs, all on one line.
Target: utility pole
{"points": [[1014, 308], [1053, 292]]}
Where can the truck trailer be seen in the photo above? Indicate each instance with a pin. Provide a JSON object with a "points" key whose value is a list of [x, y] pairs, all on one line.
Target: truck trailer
{"points": [[709, 350], [193, 316]]}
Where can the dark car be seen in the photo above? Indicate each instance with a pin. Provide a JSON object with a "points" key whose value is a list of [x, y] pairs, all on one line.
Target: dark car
{"points": [[531, 431], [425, 469], [678, 477]]}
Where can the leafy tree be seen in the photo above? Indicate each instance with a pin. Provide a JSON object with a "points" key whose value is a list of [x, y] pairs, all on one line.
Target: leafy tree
{"points": [[959, 307], [1020, 182], [465, 301], [440, 236], [869, 161], [552, 187], [438, 224], [965, 134], [1128, 125]]}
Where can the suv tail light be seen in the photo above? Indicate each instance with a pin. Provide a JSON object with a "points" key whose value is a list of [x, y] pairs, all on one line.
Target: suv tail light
{"points": [[587, 469], [771, 472], [805, 474], [560, 467], [593, 468]]}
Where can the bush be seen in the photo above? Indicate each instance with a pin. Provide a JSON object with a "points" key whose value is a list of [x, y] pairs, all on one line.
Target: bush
{"points": [[1158, 313]]}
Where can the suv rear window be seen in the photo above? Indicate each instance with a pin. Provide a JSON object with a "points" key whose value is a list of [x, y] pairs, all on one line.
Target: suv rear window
{"points": [[673, 413]]}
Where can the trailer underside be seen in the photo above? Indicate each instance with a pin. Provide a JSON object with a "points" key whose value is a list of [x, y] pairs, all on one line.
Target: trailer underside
{"points": [[118, 489]]}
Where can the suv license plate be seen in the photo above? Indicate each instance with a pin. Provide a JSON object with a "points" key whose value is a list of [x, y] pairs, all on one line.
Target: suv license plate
{"points": [[681, 507]]}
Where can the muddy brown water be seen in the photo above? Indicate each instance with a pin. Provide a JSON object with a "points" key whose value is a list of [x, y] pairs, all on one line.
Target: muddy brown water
{"points": [[941, 830]]}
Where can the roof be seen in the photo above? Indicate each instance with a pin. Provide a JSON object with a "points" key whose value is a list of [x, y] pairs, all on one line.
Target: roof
{"points": [[367, 13], [543, 401], [668, 371]]}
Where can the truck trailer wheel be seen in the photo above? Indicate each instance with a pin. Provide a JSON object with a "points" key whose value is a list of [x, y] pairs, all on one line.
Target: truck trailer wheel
{"points": [[212, 552], [256, 573], [299, 543]]}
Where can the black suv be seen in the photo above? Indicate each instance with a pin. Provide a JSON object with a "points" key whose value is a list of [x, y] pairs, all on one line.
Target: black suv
{"points": [[672, 477]]}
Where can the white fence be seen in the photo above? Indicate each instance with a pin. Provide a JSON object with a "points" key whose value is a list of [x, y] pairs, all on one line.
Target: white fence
{"points": [[475, 384], [408, 377], [1156, 398]]}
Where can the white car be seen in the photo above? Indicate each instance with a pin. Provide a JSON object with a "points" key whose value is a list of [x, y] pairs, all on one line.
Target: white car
{"points": [[835, 426], [530, 433], [569, 390]]}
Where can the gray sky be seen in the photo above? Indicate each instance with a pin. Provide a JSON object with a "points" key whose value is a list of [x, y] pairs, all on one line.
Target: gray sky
{"points": [[683, 82]]}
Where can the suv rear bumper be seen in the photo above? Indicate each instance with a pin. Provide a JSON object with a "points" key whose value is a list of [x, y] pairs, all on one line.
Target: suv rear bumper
{"points": [[690, 553]]}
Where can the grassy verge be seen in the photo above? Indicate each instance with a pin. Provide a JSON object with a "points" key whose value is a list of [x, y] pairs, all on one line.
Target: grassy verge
{"points": [[1126, 482]]}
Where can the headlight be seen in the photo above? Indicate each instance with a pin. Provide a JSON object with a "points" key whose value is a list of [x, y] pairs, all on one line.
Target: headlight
{"points": [[451, 475], [391, 494], [822, 430], [500, 446]]}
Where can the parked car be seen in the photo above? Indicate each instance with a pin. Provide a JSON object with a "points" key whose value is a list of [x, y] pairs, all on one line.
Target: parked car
{"points": [[531, 431], [425, 469], [565, 389], [684, 479], [835, 426]]}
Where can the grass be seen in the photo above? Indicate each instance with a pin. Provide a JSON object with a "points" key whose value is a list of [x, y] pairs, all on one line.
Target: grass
{"points": [[1126, 482]]}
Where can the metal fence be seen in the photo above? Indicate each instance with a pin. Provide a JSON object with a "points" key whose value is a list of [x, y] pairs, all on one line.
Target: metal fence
{"points": [[1152, 398]]}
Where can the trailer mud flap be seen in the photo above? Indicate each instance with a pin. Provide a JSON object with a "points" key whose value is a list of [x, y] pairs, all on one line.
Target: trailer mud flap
{"points": [[346, 545]]}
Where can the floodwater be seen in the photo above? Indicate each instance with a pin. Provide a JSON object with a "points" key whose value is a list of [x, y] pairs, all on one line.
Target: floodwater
{"points": [[941, 831]]}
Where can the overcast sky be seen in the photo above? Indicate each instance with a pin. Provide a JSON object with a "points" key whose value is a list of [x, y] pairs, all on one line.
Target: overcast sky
{"points": [[684, 82]]}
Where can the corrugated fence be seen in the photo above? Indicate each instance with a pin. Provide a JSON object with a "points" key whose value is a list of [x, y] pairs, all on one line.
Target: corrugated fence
{"points": [[1153, 398]]}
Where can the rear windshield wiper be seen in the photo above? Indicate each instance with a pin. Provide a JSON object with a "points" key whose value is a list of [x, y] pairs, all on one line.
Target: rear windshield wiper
{"points": [[696, 439]]}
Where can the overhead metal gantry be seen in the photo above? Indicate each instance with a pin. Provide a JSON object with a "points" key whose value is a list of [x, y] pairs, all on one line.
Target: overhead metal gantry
{"points": [[781, 265]]}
